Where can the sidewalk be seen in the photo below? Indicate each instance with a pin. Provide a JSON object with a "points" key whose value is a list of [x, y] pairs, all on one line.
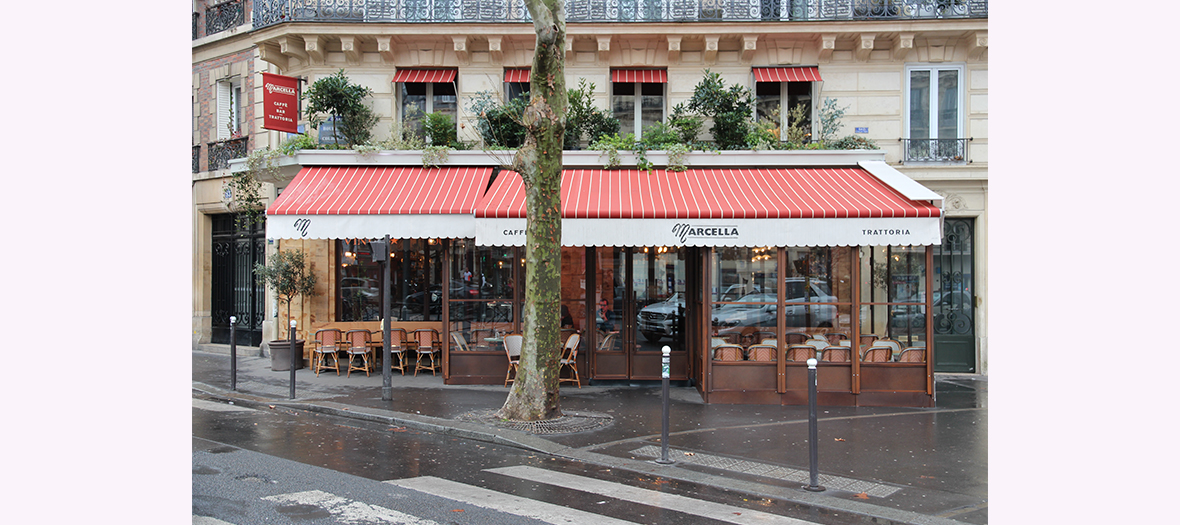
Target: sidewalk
{"points": [[905, 465]]}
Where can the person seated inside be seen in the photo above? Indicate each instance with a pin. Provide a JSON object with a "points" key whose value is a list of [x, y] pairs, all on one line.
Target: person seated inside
{"points": [[567, 320]]}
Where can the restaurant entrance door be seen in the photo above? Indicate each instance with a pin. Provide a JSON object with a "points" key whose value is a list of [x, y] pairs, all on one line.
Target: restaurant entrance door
{"points": [[641, 308]]}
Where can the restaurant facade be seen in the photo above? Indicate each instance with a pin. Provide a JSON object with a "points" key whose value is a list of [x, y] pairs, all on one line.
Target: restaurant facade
{"points": [[913, 80], [743, 273]]}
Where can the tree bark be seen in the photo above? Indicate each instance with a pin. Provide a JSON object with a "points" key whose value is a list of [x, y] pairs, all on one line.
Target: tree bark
{"points": [[535, 392]]}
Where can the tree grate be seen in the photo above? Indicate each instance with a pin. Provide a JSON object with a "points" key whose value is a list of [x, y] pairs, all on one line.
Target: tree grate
{"points": [[569, 423]]}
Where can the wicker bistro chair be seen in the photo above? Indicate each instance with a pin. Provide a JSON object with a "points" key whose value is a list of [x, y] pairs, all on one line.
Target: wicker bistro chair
{"points": [[726, 351], [800, 352], [512, 345], [796, 338], [429, 348], [837, 354], [461, 345], [327, 343], [765, 351], [878, 354], [397, 349], [569, 358], [835, 338], [894, 346], [913, 354], [358, 345]]}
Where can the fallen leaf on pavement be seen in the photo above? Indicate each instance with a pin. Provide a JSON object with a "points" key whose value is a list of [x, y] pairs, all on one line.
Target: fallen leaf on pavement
{"points": [[839, 439], [862, 495], [456, 510]]}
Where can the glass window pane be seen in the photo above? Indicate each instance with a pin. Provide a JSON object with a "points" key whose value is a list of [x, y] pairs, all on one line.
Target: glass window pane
{"points": [[413, 106], [948, 104], [623, 108], [445, 101], [653, 109], [768, 101], [919, 104], [358, 283]]}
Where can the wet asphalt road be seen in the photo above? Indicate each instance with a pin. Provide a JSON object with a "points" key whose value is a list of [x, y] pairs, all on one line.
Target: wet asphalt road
{"points": [[241, 456]]}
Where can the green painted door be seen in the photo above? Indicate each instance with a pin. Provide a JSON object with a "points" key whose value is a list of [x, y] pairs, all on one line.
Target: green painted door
{"points": [[954, 298]]}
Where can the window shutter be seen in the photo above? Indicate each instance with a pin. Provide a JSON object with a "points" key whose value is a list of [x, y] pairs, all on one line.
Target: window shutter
{"points": [[224, 90]]}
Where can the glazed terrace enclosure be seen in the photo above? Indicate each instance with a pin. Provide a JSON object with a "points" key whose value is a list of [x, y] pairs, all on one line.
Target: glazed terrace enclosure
{"points": [[268, 12]]}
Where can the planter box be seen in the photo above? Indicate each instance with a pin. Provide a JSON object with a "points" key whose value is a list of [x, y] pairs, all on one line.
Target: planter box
{"points": [[280, 355]]}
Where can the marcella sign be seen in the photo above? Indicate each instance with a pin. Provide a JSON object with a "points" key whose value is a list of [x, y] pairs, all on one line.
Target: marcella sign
{"points": [[280, 103]]}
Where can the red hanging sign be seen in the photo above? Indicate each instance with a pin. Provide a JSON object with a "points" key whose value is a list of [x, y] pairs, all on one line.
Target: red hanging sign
{"points": [[280, 103]]}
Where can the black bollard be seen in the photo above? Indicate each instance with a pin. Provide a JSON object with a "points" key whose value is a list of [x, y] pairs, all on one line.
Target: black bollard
{"points": [[233, 354], [294, 359], [813, 430], [665, 374]]}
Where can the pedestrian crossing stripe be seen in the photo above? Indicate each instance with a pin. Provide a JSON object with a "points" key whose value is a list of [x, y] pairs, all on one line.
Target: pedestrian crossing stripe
{"points": [[489, 499], [346, 510], [829, 482], [706, 509]]}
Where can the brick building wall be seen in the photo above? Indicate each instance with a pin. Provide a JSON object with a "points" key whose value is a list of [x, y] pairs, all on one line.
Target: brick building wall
{"points": [[205, 77]]}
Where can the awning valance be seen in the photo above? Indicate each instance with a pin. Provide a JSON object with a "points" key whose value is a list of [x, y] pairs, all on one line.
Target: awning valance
{"points": [[787, 74], [425, 75], [517, 75], [717, 207], [656, 76], [370, 202]]}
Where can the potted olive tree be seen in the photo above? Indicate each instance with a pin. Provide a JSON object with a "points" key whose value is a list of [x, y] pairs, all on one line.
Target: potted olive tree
{"points": [[287, 274]]}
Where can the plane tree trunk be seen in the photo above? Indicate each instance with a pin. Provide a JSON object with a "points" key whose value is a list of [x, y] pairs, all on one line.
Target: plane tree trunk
{"points": [[535, 393]]}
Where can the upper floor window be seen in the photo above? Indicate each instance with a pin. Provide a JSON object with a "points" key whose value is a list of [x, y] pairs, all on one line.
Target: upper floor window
{"points": [[516, 84], [934, 117], [637, 98], [424, 91], [796, 86], [229, 108]]}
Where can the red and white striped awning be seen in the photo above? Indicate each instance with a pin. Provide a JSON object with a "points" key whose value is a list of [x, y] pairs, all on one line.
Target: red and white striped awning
{"points": [[787, 74], [517, 75], [425, 75], [655, 76], [717, 207], [336, 202]]}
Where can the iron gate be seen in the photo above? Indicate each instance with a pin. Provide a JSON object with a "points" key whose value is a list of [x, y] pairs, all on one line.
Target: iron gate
{"points": [[236, 249], [954, 298]]}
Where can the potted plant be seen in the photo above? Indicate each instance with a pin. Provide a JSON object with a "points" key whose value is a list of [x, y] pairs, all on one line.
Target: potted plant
{"points": [[287, 274]]}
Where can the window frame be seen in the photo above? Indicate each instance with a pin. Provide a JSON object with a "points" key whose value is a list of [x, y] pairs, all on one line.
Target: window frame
{"points": [[637, 101], [400, 101], [934, 69], [784, 95]]}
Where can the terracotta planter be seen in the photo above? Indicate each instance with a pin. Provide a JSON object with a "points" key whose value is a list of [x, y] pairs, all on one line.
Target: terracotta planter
{"points": [[280, 355]]}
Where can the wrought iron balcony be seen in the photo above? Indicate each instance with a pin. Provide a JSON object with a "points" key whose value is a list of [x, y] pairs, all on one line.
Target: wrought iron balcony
{"points": [[934, 150], [197, 159], [221, 152], [269, 12], [223, 16]]}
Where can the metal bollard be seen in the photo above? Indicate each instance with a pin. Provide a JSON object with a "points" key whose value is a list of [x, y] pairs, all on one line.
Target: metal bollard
{"points": [[812, 430], [233, 354], [294, 359], [665, 374]]}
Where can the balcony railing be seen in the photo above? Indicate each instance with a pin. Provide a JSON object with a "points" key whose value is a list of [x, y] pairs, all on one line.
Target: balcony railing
{"points": [[934, 150], [221, 152], [197, 159], [269, 12], [223, 16]]}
